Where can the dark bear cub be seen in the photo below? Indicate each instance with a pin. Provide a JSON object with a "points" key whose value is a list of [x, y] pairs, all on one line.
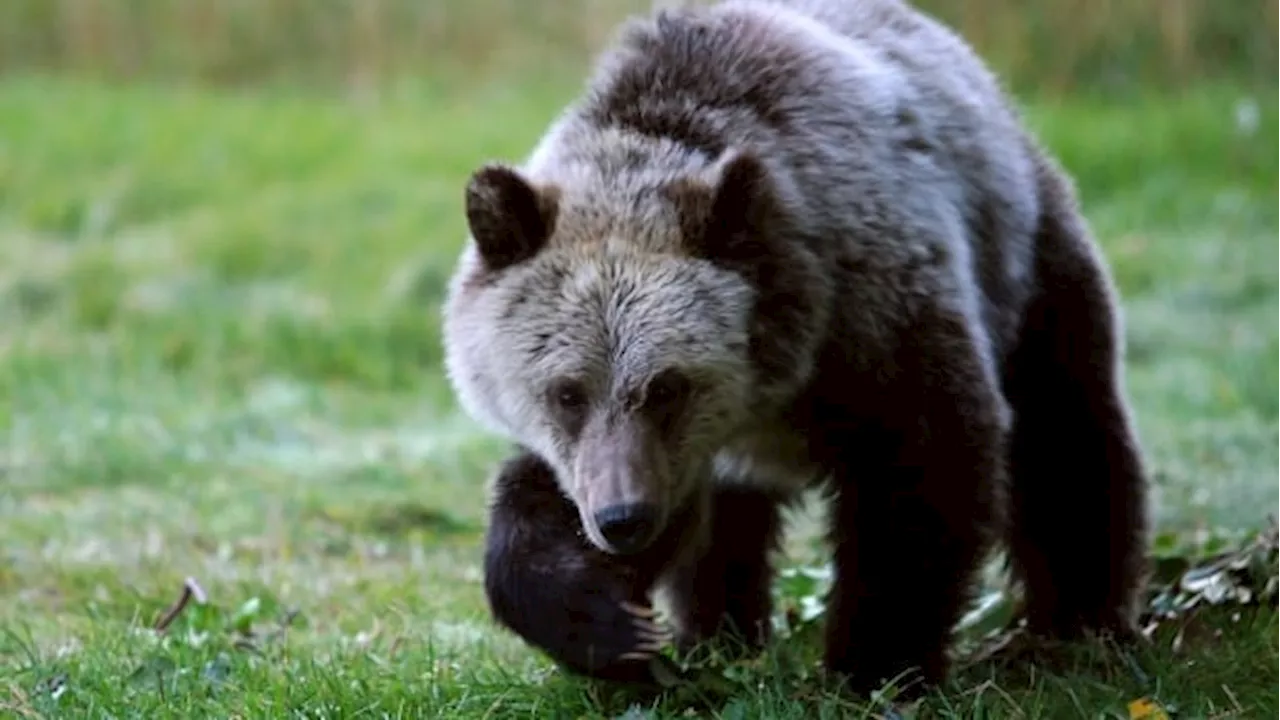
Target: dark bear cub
{"points": [[591, 611], [548, 584]]}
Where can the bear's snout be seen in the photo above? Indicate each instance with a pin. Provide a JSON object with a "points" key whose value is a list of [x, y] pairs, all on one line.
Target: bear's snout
{"points": [[628, 528], [621, 484]]}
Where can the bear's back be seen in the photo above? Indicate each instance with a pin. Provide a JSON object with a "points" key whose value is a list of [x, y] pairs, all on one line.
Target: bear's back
{"points": [[894, 142]]}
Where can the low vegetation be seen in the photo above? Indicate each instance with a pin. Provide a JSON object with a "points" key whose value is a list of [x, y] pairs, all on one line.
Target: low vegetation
{"points": [[220, 371]]}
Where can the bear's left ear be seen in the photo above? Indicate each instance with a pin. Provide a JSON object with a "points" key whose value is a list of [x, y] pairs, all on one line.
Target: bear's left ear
{"points": [[508, 217], [723, 219]]}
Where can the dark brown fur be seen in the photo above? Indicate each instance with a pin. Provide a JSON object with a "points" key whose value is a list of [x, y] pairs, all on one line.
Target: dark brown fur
{"points": [[1078, 525]]}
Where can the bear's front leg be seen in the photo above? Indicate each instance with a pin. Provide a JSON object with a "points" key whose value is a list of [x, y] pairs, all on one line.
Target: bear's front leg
{"points": [[587, 610], [911, 530], [723, 590]]}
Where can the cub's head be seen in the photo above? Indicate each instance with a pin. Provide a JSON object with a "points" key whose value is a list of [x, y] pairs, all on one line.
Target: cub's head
{"points": [[613, 330]]}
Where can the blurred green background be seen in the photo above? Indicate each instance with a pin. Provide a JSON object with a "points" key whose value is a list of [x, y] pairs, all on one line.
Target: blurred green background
{"points": [[1059, 46], [1056, 47]]}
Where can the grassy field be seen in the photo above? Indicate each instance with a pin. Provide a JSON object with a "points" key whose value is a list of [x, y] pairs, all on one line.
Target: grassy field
{"points": [[219, 359]]}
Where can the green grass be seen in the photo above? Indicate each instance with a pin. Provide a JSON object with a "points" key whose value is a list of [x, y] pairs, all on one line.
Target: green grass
{"points": [[219, 358]]}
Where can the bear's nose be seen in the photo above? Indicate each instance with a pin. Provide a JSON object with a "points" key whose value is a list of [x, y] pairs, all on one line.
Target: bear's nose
{"points": [[628, 528]]}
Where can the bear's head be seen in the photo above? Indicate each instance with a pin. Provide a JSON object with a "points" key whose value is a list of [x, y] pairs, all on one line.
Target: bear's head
{"points": [[611, 327]]}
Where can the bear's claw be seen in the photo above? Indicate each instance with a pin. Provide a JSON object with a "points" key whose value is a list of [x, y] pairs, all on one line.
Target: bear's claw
{"points": [[652, 635]]}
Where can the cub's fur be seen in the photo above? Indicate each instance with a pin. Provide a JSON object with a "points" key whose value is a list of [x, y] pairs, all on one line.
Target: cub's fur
{"points": [[780, 244]]}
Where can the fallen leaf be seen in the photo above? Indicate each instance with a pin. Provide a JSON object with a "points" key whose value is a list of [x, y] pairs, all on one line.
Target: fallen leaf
{"points": [[1146, 709]]}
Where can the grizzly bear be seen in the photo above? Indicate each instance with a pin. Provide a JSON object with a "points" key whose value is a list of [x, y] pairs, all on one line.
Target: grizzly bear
{"points": [[780, 245]]}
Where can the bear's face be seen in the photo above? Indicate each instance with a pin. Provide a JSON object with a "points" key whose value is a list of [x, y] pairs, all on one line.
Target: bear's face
{"points": [[626, 369]]}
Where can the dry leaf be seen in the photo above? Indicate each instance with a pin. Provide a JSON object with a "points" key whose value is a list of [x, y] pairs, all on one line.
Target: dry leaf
{"points": [[1146, 709]]}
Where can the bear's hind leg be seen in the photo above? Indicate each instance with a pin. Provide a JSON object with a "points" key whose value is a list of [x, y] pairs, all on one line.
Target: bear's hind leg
{"points": [[1078, 498], [723, 591], [544, 581], [916, 511]]}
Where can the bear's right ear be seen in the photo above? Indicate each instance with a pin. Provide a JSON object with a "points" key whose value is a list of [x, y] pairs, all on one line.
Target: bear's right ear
{"points": [[509, 219], [724, 213]]}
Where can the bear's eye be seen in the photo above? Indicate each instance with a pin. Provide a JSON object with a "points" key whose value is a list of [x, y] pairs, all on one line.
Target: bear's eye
{"points": [[569, 396], [666, 391]]}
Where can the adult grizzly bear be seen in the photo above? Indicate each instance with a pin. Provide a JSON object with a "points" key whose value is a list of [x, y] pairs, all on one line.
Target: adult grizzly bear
{"points": [[780, 244]]}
